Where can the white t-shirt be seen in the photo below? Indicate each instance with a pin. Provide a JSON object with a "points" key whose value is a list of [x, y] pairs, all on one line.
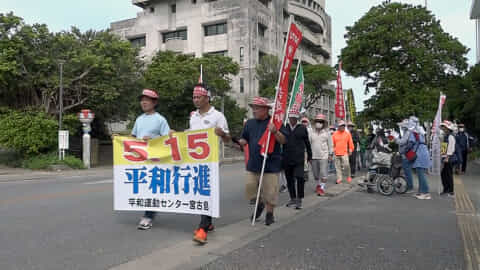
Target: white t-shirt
{"points": [[210, 119]]}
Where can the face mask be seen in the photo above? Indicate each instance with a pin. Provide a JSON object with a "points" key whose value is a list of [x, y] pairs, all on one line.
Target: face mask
{"points": [[319, 125], [461, 129]]}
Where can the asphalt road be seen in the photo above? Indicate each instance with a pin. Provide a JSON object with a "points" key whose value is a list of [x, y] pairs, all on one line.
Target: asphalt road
{"points": [[361, 231], [68, 222]]}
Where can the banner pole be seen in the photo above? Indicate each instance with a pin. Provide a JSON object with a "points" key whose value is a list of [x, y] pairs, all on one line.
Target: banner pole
{"points": [[260, 181], [293, 86]]}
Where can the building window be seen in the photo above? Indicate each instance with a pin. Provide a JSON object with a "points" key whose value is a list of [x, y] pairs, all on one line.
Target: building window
{"points": [[242, 54], [179, 34], [173, 8], [261, 30], [264, 2], [221, 53], [242, 87], [138, 41], [194, 2], [215, 29], [152, 9]]}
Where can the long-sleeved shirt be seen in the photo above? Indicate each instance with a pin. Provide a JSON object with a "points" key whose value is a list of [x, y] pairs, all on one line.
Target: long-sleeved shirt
{"points": [[342, 143], [297, 143], [321, 142]]}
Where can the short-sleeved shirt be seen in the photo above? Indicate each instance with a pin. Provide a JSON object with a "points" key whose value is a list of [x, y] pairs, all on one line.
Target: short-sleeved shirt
{"points": [[152, 125], [252, 132], [210, 119]]}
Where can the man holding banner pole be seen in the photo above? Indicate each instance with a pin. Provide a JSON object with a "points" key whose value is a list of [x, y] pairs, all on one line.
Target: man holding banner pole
{"points": [[269, 137], [270, 166]]}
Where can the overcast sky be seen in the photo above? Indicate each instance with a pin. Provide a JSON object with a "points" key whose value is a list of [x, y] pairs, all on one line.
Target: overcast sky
{"points": [[97, 14]]}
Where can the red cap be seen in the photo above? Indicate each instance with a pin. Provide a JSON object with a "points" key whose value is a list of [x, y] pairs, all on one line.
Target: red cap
{"points": [[149, 93], [320, 117], [259, 101]]}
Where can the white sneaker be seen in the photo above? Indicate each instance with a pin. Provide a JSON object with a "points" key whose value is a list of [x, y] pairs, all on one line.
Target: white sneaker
{"points": [[145, 223], [423, 196]]}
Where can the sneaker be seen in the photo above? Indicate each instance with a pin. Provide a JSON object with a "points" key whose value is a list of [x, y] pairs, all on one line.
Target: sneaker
{"points": [[269, 219], [200, 236], [283, 188], [321, 192], [443, 193], [292, 202], [298, 206], [451, 194], [210, 228], [349, 180], [260, 208], [423, 196], [145, 223], [339, 181]]}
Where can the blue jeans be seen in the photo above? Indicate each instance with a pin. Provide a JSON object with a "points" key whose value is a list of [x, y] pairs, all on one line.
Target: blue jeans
{"points": [[407, 169], [422, 180]]}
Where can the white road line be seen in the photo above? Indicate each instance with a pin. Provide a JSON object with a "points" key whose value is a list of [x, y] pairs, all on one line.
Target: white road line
{"points": [[108, 181]]}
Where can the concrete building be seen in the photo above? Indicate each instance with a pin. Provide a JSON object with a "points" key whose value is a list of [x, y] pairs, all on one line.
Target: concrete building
{"points": [[475, 15], [244, 30]]}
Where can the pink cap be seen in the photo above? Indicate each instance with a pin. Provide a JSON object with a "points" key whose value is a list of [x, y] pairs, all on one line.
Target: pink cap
{"points": [[149, 93], [259, 101]]}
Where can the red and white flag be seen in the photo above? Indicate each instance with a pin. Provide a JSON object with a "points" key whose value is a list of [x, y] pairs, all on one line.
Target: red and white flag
{"points": [[339, 104], [293, 41]]}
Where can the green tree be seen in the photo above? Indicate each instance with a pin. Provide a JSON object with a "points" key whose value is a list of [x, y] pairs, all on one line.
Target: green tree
{"points": [[463, 100], [267, 75], [174, 75], [100, 70], [403, 53], [316, 77]]}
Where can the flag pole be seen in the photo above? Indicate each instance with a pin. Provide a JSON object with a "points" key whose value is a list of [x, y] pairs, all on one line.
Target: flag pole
{"points": [[291, 97], [290, 21]]}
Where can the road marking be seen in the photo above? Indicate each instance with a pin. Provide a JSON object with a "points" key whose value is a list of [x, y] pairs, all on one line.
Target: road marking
{"points": [[469, 225], [108, 181]]}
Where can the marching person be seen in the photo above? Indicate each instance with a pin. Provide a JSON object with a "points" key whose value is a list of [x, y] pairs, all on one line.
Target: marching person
{"points": [[402, 149], [322, 152], [294, 158], [343, 147], [352, 159], [422, 163], [447, 152], [206, 116], [252, 132], [147, 126], [463, 141]]}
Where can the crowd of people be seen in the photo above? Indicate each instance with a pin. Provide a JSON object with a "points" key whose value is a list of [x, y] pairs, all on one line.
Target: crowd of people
{"points": [[300, 144]]}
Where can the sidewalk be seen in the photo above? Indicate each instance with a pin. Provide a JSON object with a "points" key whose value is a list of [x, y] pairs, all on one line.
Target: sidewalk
{"points": [[360, 231]]}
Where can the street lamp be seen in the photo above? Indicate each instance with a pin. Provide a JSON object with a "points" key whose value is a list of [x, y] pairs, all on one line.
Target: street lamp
{"points": [[62, 135], [61, 62]]}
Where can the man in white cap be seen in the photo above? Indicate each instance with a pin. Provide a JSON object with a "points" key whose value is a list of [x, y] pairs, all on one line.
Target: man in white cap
{"points": [[206, 116], [251, 134], [147, 126], [343, 147], [322, 152], [294, 158]]}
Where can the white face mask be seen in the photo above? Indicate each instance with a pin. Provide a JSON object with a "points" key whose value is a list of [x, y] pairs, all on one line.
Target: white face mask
{"points": [[319, 125], [461, 129]]}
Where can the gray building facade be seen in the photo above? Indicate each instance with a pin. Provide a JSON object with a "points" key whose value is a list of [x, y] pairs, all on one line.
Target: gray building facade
{"points": [[244, 30]]}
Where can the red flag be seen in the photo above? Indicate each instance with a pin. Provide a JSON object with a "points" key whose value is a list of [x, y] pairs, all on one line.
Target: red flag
{"points": [[339, 104], [293, 40]]}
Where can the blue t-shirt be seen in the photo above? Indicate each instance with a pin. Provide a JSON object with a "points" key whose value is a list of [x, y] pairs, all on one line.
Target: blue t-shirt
{"points": [[252, 132], [152, 125]]}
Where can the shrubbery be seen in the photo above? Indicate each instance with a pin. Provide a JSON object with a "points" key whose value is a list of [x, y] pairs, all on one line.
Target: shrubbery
{"points": [[27, 132]]}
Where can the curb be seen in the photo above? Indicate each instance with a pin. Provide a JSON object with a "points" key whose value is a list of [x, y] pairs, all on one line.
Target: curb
{"points": [[186, 255]]}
